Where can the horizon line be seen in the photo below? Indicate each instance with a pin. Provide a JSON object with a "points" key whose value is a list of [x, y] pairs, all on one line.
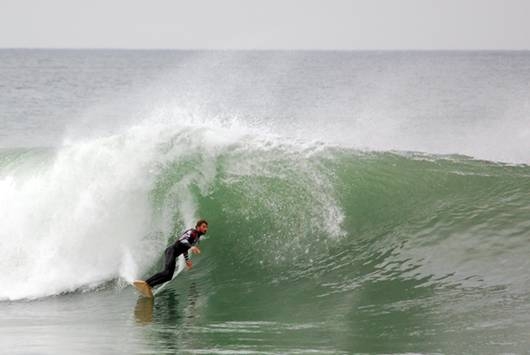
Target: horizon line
{"points": [[276, 49]]}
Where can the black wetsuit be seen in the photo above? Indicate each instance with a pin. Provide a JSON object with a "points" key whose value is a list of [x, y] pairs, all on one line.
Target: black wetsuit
{"points": [[188, 239]]}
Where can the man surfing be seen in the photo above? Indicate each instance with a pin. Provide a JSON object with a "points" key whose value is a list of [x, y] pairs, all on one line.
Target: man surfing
{"points": [[186, 242]]}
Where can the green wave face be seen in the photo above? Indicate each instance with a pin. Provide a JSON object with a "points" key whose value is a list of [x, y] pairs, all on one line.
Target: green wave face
{"points": [[349, 245], [310, 247]]}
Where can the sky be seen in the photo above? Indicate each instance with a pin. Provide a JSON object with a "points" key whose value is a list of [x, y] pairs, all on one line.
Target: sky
{"points": [[266, 24]]}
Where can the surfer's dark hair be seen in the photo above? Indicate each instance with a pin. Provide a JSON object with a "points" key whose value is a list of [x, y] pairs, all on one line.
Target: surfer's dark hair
{"points": [[200, 222]]}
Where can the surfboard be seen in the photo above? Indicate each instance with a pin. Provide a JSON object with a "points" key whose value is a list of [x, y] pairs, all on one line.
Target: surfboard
{"points": [[143, 288]]}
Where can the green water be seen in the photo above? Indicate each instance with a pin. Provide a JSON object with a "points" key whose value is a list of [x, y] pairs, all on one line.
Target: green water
{"points": [[429, 258], [331, 251]]}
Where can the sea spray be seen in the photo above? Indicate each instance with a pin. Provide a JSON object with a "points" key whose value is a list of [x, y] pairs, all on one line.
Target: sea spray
{"points": [[103, 209]]}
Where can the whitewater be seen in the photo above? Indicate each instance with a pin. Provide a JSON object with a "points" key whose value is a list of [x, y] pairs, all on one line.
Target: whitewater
{"points": [[358, 201]]}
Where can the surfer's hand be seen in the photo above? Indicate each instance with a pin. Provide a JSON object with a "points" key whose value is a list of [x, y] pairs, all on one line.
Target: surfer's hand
{"points": [[195, 250], [188, 264]]}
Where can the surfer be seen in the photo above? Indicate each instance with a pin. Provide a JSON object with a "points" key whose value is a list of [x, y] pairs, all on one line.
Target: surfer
{"points": [[186, 242]]}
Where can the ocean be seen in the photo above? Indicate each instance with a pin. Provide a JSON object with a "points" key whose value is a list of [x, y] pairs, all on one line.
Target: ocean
{"points": [[358, 202]]}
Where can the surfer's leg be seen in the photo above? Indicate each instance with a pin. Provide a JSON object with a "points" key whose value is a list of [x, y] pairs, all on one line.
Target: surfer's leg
{"points": [[169, 269]]}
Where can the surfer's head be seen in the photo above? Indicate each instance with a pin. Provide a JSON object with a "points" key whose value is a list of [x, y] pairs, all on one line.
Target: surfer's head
{"points": [[201, 226]]}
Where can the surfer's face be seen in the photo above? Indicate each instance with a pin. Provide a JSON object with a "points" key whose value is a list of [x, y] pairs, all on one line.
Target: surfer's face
{"points": [[203, 228]]}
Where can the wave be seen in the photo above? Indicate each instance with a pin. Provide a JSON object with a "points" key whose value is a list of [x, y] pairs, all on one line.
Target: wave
{"points": [[89, 212]]}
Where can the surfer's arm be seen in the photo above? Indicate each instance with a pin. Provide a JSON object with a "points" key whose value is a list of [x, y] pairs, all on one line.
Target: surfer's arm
{"points": [[187, 259], [194, 247]]}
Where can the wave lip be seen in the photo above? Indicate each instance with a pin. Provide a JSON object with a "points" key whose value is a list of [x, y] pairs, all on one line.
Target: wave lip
{"points": [[95, 210], [101, 209]]}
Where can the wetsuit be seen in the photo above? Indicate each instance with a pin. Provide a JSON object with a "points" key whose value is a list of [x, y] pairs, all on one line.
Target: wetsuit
{"points": [[188, 239]]}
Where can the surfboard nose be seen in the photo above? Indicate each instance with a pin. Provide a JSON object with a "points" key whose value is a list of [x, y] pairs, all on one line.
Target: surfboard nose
{"points": [[143, 288]]}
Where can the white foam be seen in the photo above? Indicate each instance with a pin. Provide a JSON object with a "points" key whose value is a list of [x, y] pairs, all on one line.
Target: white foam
{"points": [[86, 216]]}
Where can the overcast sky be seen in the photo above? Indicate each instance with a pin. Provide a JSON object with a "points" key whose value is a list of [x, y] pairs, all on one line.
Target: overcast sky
{"points": [[266, 24]]}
